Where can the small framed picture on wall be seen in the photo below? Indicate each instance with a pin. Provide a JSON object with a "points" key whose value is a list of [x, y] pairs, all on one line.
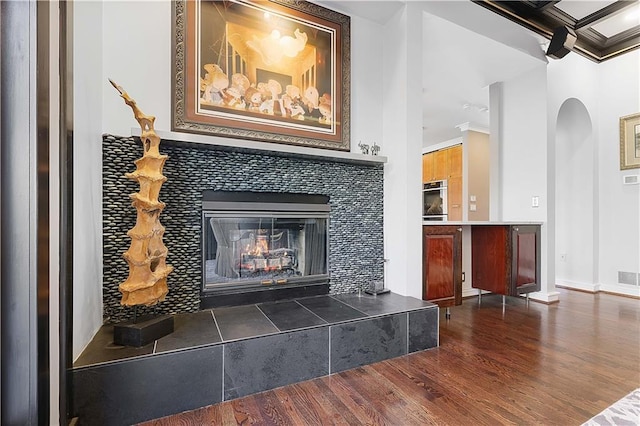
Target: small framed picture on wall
{"points": [[630, 142]]}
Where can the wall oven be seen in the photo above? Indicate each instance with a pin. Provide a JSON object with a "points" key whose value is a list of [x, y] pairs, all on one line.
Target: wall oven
{"points": [[434, 200]]}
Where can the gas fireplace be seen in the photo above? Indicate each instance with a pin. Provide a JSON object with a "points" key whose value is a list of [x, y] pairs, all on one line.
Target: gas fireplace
{"points": [[259, 246]]}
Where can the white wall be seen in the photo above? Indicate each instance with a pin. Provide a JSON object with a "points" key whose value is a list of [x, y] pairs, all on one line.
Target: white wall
{"points": [[619, 221], [87, 173], [137, 55], [524, 150], [611, 229]]}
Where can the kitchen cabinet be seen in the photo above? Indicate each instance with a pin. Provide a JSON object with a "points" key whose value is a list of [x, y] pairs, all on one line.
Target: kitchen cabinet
{"points": [[442, 265], [454, 158], [446, 164], [441, 164], [505, 259], [454, 198], [427, 167]]}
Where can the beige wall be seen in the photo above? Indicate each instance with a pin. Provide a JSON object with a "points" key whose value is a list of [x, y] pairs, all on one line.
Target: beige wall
{"points": [[477, 148]]}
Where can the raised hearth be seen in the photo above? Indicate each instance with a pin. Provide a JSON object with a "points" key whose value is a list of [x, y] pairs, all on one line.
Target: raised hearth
{"points": [[225, 353]]}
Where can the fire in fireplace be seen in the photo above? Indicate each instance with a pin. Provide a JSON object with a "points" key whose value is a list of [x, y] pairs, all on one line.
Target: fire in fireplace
{"points": [[254, 243]]}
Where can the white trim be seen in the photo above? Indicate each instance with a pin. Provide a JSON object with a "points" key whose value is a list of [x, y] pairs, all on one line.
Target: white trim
{"points": [[576, 285], [241, 144], [549, 297], [442, 145], [622, 289], [473, 127]]}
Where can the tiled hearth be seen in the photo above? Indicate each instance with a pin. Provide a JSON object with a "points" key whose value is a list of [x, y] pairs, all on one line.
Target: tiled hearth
{"points": [[226, 353]]}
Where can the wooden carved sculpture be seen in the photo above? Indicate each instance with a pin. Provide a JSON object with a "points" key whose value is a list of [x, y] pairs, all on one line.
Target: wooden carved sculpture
{"points": [[148, 271]]}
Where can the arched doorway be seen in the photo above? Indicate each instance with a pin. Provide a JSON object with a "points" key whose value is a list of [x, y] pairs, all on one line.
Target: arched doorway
{"points": [[576, 197]]}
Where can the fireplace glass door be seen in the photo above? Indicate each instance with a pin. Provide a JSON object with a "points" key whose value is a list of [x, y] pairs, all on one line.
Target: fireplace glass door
{"points": [[251, 248]]}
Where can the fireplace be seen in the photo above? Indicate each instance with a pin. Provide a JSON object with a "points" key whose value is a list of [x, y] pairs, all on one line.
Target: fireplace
{"points": [[263, 246], [355, 191]]}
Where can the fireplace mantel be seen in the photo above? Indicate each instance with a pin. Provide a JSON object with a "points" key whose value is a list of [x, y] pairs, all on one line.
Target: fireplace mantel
{"points": [[257, 147]]}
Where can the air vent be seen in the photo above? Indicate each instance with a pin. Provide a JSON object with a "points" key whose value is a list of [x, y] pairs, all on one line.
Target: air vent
{"points": [[630, 278]]}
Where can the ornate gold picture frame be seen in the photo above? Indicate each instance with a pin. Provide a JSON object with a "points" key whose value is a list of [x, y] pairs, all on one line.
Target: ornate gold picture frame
{"points": [[274, 71], [630, 142]]}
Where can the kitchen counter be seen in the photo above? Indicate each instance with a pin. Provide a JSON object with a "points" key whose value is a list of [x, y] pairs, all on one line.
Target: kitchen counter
{"points": [[461, 223]]}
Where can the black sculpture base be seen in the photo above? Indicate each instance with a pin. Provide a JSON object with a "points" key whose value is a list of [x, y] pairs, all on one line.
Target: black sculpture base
{"points": [[378, 292], [143, 331]]}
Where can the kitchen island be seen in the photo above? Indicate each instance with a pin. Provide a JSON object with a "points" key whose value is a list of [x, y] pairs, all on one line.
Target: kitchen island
{"points": [[505, 259]]}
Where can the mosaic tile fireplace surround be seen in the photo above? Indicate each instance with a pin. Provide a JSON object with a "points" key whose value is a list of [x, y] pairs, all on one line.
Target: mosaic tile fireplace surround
{"points": [[355, 194]]}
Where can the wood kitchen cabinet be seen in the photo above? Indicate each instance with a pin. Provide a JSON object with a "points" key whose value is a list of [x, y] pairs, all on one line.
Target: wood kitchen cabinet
{"points": [[427, 167], [442, 265], [442, 164], [446, 164], [454, 158], [454, 198], [505, 259]]}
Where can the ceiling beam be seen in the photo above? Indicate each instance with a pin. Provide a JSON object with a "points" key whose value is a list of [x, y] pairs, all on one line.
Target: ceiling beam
{"points": [[543, 18], [544, 5]]}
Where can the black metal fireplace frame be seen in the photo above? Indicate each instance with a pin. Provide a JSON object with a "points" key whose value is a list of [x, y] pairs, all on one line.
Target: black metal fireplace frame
{"points": [[275, 203]]}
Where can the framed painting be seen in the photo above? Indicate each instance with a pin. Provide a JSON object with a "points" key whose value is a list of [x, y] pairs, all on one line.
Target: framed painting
{"points": [[630, 142], [275, 71]]}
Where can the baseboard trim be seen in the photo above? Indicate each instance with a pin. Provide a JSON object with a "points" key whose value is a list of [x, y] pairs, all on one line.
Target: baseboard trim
{"points": [[630, 296], [614, 289], [621, 290], [581, 290], [577, 285], [547, 298]]}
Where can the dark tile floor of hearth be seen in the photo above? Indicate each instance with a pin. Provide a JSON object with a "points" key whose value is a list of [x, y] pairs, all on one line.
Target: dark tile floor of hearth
{"points": [[221, 325]]}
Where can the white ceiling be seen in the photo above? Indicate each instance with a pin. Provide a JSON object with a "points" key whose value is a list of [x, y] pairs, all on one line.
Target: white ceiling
{"points": [[580, 9], [620, 22], [458, 66], [379, 11]]}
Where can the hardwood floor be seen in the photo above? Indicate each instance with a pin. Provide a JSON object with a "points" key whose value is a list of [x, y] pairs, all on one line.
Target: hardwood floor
{"points": [[555, 364]]}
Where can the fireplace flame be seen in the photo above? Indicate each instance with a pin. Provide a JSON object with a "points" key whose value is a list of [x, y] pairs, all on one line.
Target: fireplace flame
{"points": [[262, 245]]}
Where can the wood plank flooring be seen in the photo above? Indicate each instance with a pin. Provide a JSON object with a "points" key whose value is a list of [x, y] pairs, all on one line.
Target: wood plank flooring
{"points": [[555, 364]]}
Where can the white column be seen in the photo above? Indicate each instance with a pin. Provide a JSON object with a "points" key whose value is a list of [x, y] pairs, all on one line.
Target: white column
{"points": [[402, 136]]}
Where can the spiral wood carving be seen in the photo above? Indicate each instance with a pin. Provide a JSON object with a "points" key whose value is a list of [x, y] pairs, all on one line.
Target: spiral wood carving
{"points": [[147, 254]]}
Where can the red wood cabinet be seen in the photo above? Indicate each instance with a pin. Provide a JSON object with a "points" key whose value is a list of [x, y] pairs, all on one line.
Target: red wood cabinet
{"points": [[505, 259], [442, 265]]}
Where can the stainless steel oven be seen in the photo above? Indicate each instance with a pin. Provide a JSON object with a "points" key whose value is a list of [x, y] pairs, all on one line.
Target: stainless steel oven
{"points": [[434, 200]]}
